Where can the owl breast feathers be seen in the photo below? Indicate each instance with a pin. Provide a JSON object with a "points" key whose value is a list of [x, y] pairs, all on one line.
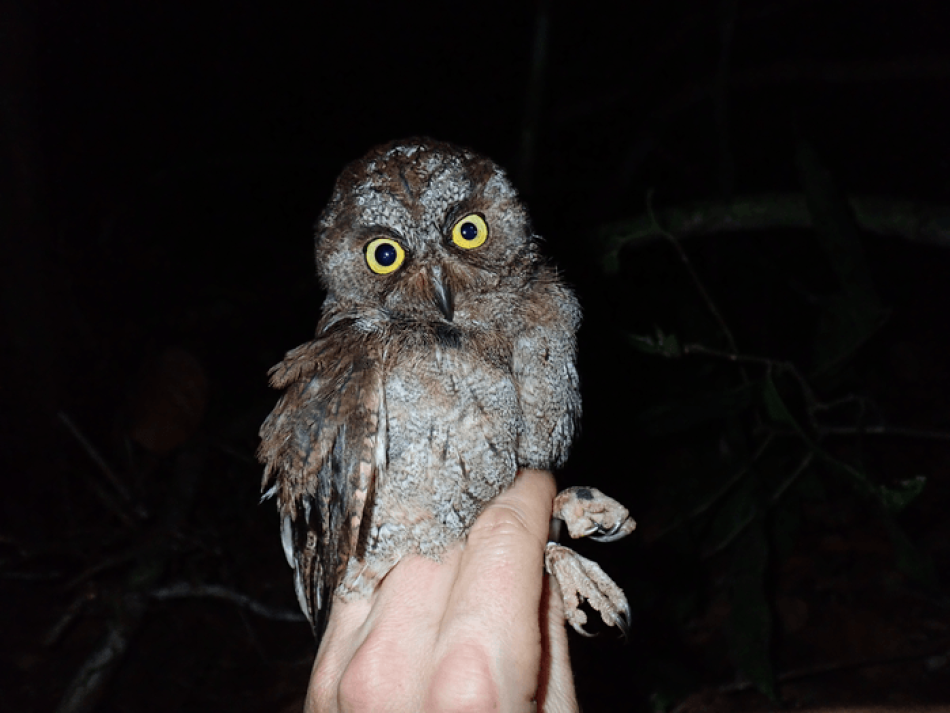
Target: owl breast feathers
{"points": [[443, 362]]}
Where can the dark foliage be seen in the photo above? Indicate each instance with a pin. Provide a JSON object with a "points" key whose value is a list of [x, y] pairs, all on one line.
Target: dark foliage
{"points": [[751, 199]]}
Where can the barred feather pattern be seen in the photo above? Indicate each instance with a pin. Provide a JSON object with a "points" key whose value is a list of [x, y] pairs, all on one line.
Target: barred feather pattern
{"points": [[406, 415]]}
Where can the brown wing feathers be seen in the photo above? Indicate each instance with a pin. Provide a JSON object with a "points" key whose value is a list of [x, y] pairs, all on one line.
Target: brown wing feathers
{"points": [[319, 446]]}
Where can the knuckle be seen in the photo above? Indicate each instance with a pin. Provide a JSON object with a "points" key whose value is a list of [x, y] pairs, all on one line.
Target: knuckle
{"points": [[462, 683], [370, 681]]}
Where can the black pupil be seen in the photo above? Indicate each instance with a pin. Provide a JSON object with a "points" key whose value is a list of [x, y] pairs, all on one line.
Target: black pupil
{"points": [[469, 231], [385, 254]]}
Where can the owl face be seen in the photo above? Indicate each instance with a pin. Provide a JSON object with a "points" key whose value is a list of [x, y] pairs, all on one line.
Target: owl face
{"points": [[420, 230]]}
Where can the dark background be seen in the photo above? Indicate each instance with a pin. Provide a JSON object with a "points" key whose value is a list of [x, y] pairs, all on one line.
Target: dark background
{"points": [[162, 167]]}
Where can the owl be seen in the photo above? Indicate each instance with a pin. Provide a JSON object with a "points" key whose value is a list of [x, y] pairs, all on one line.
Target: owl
{"points": [[443, 362]]}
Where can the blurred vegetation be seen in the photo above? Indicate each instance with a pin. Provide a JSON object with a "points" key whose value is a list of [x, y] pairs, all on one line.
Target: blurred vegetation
{"points": [[766, 433], [750, 198]]}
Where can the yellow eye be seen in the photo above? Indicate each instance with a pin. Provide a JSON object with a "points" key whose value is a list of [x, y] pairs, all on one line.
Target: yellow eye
{"points": [[470, 232], [384, 255]]}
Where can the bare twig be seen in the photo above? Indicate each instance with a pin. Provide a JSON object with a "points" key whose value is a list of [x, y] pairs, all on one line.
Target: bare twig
{"points": [[819, 670], [94, 455], [776, 496], [814, 405], [884, 431], [106, 469], [89, 683], [730, 538], [787, 483], [695, 278], [72, 612], [722, 490], [913, 221], [811, 400], [102, 566], [183, 590]]}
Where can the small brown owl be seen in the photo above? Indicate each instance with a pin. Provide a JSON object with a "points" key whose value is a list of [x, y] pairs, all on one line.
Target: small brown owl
{"points": [[443, 362]]}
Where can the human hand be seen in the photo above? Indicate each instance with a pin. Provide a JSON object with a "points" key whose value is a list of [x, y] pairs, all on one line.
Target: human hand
{"points": [[482, 630]]}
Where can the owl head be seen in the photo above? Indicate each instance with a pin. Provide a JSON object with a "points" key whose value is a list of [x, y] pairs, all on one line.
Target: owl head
{"points": [[424, 231]]}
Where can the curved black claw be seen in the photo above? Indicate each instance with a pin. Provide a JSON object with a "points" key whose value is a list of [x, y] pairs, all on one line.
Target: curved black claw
{"points": [[624, 619], [617, 532], [587, 512], [579, 579], [582, 631]]}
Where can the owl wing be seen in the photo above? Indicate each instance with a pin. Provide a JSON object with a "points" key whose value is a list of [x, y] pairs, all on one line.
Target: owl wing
{"points": [[543, 368], [322, 447]]}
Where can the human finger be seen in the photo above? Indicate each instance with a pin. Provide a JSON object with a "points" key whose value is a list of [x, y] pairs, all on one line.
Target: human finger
{"points": [[494, 605]]}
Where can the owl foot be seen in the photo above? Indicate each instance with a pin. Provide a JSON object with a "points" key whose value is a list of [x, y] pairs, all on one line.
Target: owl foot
{"points": [[580, 578], [587, 512]]}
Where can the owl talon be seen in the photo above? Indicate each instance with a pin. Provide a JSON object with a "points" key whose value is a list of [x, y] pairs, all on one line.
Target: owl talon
{"points": [[583, 632], [623, 621], [587, 512], [617, 532], [580, 578]]}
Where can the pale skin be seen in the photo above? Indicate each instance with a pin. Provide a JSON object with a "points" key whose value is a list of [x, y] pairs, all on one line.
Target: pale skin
{"points": [[483, 630]]}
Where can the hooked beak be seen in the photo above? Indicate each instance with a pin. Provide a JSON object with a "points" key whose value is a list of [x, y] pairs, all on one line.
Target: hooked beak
{"points": [[444, 299]]}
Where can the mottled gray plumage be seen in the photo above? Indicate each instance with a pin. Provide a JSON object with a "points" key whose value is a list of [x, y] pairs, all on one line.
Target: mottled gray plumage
{"points": [[443, 362]]}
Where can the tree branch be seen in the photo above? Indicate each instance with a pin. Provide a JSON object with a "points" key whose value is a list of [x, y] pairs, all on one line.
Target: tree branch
{"points": [[183, 590], [914, 221]]}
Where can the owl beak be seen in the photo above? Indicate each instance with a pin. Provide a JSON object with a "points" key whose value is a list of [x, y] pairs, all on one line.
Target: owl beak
{"points": [[444, 299]]}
